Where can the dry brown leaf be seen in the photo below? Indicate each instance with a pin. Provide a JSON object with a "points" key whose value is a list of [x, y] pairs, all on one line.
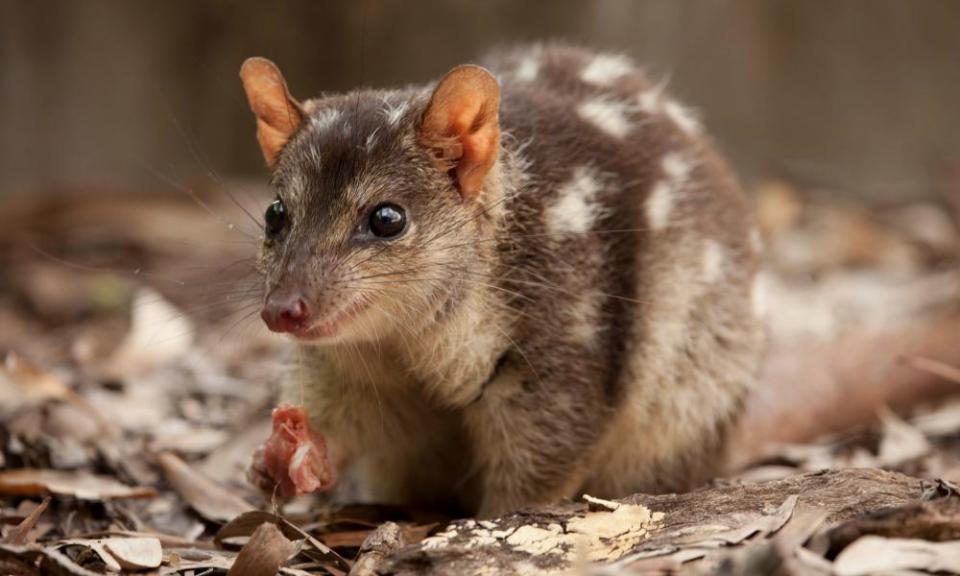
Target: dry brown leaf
{"points": [[79, 484], [212, 501], [873, 554], [246, 523], [346, 538], [23, 384], [264, 554], [19, 534]]}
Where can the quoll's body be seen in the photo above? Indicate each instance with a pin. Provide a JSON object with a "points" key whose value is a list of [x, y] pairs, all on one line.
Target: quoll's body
{"points": [[508, 291]]}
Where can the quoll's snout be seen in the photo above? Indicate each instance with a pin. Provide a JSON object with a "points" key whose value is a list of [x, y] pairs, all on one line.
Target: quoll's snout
{"points": [[286, 312]]}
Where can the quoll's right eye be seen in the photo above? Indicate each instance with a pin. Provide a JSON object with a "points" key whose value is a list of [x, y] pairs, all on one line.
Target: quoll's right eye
{"points": [[276, 218]]}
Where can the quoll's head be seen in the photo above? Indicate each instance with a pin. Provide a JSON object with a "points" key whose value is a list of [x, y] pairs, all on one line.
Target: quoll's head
{"points": [[383, 201]]}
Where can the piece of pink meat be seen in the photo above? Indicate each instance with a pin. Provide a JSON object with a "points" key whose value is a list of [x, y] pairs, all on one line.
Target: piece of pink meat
{"points": [[295, 457]]}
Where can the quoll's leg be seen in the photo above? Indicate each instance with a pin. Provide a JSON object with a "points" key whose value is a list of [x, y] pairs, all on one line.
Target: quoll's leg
{"points": [[532, 438]]}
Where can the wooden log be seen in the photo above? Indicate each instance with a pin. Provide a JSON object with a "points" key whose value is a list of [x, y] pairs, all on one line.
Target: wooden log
{"points": [[670, 528]]}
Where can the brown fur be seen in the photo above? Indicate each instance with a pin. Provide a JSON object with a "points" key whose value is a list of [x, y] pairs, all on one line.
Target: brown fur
{"points": [[548, 336]]}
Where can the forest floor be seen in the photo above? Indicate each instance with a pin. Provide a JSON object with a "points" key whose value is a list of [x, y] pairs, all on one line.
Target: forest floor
{"points": [[136, 382]]}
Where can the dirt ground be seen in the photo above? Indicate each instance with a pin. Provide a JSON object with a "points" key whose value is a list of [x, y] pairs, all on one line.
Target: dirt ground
{"points": [[137, 381]]}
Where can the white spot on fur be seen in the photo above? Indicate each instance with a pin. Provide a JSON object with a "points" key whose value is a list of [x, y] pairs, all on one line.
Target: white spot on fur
{"points": [[575, 208], [649, 101], [607, 115], [659, 206], [606, 69], [675, 166], [528, 69], [585, 317], [760, 295], [660, 203], [683, 117], [394, 113], [713, 258], [324, 118]]}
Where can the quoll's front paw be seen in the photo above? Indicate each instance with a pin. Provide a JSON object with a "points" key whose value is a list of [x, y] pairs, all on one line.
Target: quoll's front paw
{"points": [[294, 459]]}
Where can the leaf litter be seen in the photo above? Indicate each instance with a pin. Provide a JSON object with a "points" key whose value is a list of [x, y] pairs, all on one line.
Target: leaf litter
{"points": [[130, 413]]}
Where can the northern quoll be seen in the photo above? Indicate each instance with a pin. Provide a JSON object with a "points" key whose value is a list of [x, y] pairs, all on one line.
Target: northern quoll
{"points": [[521, 283]]}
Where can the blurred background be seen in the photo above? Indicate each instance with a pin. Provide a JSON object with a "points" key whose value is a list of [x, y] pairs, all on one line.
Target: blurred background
{"points": [[131, 189], [856, 96]]}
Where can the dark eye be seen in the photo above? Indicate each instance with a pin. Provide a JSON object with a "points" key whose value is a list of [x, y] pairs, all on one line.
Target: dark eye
{"points": [[275, 218], [387, 220]]}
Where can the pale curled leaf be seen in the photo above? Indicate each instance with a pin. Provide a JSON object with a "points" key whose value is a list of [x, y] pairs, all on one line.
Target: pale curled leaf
{"points": [[159, 333], [872, 554], [98, 547], [135, 553], [119, 553], [901, 442], [82, 485], [212, 501]]}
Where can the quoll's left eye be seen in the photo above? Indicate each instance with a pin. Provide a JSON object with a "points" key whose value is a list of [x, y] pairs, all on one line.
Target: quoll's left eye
{"points": [[387, 221], [275, 218]]}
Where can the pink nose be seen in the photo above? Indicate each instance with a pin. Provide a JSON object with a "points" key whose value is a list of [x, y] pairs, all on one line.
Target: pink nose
{"points": [[285, 313]]}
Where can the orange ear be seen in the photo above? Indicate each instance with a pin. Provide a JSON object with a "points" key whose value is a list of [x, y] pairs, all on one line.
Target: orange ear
{"points": [[278, 114], [461, 126]]}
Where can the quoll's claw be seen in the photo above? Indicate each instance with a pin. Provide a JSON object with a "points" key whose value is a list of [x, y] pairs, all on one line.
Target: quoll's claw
{"points": [[294, 459]]}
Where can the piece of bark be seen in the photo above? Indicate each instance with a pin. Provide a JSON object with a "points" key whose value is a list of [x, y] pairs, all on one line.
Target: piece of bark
{"points": [[695, 518], [264, 554], [385, 540]]}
